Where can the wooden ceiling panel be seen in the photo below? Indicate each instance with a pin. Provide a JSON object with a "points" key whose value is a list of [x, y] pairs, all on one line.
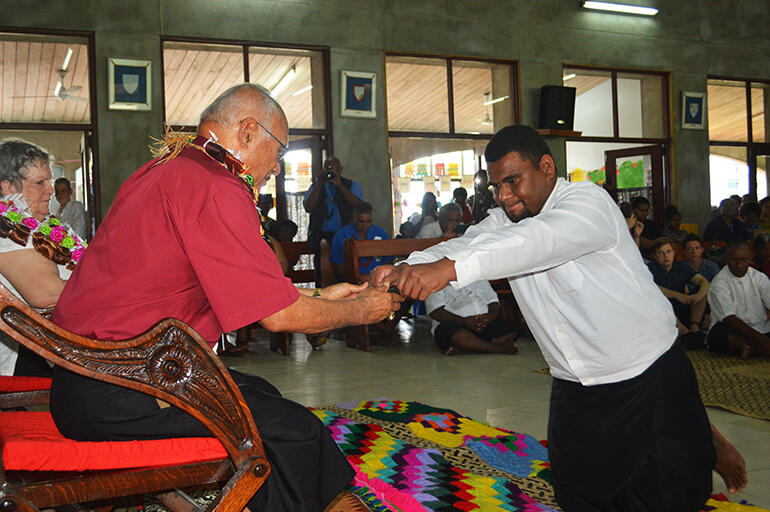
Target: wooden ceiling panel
{"points": [[28, 79], [727, 113], [417, 96], [470, 85]]}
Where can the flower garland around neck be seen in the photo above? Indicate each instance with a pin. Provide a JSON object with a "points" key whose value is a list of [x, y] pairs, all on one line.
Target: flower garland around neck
{"points": [[49, 237], [173, 143]]}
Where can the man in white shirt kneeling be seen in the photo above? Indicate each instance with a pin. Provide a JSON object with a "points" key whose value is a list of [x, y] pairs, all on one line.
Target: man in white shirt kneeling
{"points": [[740, 300]]}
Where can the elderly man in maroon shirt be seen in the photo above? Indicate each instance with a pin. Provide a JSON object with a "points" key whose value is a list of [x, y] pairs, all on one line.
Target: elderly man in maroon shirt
{"points": [[182, 240]]}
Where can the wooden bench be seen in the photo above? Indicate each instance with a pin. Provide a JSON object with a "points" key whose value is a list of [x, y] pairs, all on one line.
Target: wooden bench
{"points": [[281, 341], [170, 362], [354, 250]]}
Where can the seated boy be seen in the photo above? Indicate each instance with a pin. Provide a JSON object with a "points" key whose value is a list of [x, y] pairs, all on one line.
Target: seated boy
{"points": [[739, 299], [465, 320], [672, 278]]}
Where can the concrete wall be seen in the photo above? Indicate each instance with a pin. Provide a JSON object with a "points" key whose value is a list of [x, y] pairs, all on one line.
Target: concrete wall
{"points": [[690, 39]]}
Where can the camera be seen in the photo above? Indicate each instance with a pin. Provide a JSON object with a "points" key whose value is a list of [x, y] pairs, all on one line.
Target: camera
{"points": [[329, 172]]}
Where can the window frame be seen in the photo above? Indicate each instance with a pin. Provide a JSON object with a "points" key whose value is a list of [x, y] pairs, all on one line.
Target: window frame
{"points": [[749, 145], [451, 133], [92, 126]]}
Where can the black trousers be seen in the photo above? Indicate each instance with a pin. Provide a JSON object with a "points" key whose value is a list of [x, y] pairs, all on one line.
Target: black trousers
{"points": [[643, 444], [308, 469]]}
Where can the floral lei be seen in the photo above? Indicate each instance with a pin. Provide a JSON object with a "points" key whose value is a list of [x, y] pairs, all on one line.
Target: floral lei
{"points": [[49, 237]]}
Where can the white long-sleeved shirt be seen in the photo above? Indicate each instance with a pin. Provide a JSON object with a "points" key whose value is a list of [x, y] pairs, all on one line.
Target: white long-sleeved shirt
{"points": [[470, 300], [74, 214], [579, 280], [746, 297]]}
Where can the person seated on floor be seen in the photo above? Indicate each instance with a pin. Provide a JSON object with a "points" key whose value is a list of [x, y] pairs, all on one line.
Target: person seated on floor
{"points": [[641, 210], [693, 253], [672, 220], [185, 235], [672, 277], [448, 218], [466, 320], [36, 273], [725, 226], [460, 197], [740, 299], [761, 260], [749, 213], [360, 229]]}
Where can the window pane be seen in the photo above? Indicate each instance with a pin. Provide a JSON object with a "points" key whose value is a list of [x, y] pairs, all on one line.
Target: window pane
{"points": [[194, 75], [296, 79], [760, 97], [417, 94], [482, 96], [641, 112], [430, 165], [43, 79], [728, 171], [762, 161], [593, 101], [727, 110]]}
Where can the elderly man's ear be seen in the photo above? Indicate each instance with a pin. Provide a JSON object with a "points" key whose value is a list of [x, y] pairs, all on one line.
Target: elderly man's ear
{"points": [[8, 188], [247, 132]]}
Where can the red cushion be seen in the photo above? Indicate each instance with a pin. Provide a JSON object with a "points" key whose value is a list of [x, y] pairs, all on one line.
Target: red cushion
{"points": [[18, 384], [30, 441]]}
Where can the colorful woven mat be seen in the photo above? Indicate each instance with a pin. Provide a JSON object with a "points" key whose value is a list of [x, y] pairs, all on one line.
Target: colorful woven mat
{"points": [[411, 457]]}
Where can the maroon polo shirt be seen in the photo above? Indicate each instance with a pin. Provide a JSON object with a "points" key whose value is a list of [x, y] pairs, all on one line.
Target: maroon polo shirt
{"points": [[181, 240]]}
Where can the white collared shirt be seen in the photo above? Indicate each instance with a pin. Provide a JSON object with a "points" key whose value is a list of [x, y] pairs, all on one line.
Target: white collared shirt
{"points": [[470, 300], [746, 297], [74, 215], [579, 280]]}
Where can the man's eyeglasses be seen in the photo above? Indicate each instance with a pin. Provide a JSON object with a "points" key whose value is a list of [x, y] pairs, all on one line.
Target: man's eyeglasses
{"points": [[284, 147]]}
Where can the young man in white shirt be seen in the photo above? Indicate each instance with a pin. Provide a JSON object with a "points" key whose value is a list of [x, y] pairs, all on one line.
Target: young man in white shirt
{"points": [[70, 211], [740, 299], [627, 427], [465, 320]]}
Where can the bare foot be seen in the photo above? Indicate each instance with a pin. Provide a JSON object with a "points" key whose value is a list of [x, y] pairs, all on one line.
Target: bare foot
{"points": [[316, 340], [512, 348], [453, 351], [746, 352], [730, 465]]}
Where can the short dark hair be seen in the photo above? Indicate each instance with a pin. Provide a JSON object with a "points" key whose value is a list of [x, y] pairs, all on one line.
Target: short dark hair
{"points": [[692, 237], [16, 155], [459, 191], [670, 212], [521, 139], [362, 208], [660, 242], [63, 181], [737, 243], [639, 200], [751, 207], [483, 172], [763, 201]]}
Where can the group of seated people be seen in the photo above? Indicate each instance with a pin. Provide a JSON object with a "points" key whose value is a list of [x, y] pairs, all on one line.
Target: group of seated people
{"points": [[724, 309]]}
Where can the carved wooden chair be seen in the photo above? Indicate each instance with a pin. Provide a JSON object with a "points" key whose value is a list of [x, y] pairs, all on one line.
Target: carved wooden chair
{"points": [[23, 391], [169, 362]]}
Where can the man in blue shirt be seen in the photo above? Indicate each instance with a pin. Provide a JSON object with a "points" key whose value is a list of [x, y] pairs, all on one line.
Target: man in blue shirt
{"points": [[361, 229]]}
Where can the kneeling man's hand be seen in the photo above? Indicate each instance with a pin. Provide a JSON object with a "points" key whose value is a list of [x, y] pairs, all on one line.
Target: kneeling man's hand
{"points": [[385, 275]]}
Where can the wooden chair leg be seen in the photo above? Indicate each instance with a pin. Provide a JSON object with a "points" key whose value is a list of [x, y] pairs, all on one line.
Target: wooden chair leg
{"points": [[357, 336], [280, 341]]}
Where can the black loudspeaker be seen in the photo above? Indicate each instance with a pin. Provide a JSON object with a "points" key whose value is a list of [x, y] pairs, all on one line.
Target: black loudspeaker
{"points": [[557, 107]]}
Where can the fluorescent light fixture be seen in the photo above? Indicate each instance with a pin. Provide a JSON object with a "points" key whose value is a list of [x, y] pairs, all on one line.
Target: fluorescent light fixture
{"points": [[67, 59], [284, 81], [623, 8], [496, 100], [568, 77], [304, 89], [57, 90]]}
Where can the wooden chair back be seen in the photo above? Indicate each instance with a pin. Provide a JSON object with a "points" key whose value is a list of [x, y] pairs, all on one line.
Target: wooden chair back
{"points": [[170, 362], [294, 250]]}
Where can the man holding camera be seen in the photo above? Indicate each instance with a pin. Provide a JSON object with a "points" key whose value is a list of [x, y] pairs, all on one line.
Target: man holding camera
{"points": [[329, 201]]}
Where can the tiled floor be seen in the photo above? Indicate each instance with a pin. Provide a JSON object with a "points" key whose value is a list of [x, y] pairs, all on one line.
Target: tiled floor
{"points": [[500, 389]]}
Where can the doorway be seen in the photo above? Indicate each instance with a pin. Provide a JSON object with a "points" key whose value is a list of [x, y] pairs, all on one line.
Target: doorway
{"points": [[636, 171]]}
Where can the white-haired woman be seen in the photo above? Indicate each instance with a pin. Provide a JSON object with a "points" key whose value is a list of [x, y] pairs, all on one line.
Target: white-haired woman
{"points": [[35, 249]]}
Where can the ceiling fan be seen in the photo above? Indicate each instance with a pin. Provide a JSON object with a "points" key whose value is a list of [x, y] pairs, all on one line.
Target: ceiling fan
{"points": [[60, 92]]}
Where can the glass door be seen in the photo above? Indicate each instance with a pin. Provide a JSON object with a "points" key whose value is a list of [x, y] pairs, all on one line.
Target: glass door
{"points": [[638, 171]]}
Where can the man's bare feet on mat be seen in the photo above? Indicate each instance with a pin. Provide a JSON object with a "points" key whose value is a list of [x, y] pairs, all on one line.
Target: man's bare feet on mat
{"points": [[746, 352], [509, 342], [730, 465]]}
